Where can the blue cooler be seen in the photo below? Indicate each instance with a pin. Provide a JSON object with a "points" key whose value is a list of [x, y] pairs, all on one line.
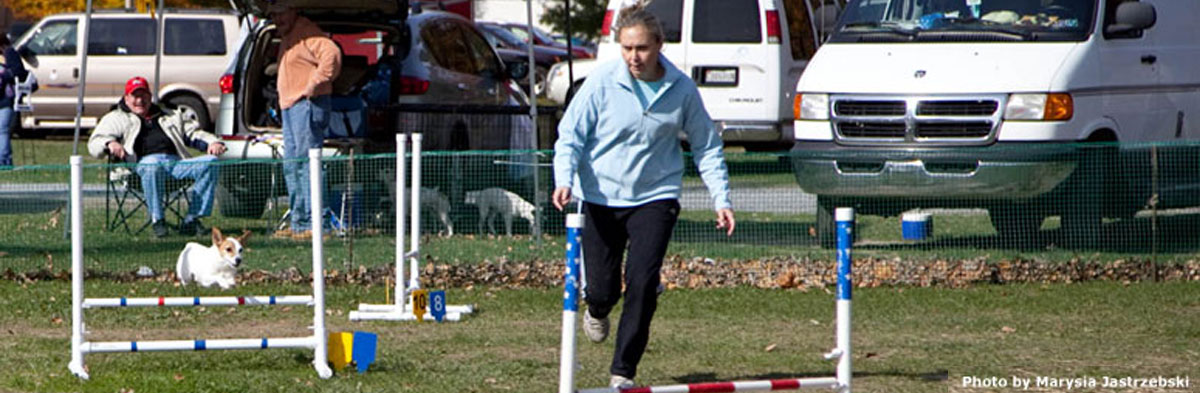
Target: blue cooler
{"points": [[916, 226]]}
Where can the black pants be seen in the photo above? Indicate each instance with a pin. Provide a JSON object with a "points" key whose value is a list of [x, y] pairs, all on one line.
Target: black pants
{"points": [[646, 230]]}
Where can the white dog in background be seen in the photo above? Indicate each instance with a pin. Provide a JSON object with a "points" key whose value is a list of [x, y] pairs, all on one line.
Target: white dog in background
{"points": [[216, 264], [431, 199], [504, 203]]}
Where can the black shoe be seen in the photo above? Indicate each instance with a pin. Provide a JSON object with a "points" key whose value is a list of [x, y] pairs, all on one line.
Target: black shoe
{"points": [[159, 228], [192, 227]]}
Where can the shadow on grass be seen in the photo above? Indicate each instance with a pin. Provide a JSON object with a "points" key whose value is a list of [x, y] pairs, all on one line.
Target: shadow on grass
{"points": [[932, 376], [1174, 234]]}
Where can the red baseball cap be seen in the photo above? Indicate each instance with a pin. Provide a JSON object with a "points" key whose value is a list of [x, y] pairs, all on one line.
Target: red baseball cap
{"points": [[136, 83]]}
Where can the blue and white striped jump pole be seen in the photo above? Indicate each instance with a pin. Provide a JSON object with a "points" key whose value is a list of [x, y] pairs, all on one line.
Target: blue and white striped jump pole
{"points": [[841, 383], [571, 280], [844, 216]]}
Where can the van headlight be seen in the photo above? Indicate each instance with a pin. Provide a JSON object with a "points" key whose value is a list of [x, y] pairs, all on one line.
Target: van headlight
{"points": [[811, 106], [1040, 106]]}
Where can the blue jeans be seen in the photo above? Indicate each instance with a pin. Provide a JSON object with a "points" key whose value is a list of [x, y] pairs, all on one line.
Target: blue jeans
{"points": [[304, 126], [6, 117], [154, 169]]}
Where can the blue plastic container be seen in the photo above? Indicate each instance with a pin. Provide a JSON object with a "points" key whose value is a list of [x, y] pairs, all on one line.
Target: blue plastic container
{"points": [[916, 226]]}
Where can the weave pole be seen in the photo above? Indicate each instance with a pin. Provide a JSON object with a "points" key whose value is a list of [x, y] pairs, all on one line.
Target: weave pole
{"points": [[566, 358], [316, 342], [840, 383], [402, 307]]}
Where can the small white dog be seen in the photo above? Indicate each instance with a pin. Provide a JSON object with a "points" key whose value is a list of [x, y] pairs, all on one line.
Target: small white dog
{"points": [[504, 203], [216, 264], [431, 200]]}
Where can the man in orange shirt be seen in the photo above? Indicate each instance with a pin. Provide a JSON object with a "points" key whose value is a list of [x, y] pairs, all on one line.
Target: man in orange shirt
{"points": [[308, 62]]}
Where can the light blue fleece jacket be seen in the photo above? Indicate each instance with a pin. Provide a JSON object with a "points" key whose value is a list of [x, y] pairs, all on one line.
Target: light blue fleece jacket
{"points": [[612, 152]]}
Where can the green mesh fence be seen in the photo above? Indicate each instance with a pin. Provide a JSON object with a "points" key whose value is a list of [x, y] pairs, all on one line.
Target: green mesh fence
{"points": [[1095, 201]]}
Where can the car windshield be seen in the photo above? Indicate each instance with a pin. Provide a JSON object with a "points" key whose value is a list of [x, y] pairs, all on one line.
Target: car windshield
{"points": [[965, 20]]}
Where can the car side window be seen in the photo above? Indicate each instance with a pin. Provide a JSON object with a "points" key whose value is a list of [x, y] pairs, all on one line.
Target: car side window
{"points": [[727, 21], [486, 62], [194, 37], [122, 37], [443, 39], [670, 15], [56, 38]]}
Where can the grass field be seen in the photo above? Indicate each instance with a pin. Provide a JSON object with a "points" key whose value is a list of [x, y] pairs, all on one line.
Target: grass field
{"points": [[905, 339]]}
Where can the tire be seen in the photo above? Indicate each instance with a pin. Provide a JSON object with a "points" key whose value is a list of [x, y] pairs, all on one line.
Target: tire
{"points": [[1015, 225], [1082, 217], [241, 192], [826, 226], [571, 92], [192, 107]]}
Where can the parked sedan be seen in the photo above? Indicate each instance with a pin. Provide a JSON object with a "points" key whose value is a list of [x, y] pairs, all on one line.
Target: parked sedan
{"points": [[543, 56], [540, 37]]}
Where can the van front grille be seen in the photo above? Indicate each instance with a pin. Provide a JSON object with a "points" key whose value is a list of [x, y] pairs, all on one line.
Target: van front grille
{"points": [[869, 108], [954, 130], [952, 120], [956, 108], [858, 129]]}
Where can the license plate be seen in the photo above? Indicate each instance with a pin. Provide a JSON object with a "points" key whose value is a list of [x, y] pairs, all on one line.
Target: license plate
{"points": [[717, 76]]}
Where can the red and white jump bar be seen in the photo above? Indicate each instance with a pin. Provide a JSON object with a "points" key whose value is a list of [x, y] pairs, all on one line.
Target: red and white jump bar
{"points": [[302, 300], [729, 387]]}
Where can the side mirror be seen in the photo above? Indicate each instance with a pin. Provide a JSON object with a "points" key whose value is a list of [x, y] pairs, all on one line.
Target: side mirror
{"points": [[517, 70], [1132, 16], [827, 18], [28, 56]]}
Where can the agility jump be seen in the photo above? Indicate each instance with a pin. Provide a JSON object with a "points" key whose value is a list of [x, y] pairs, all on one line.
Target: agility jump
{"points": [[841, 382], [80, 347], [402, 309]]}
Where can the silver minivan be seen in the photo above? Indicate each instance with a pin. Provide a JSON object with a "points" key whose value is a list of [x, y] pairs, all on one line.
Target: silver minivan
{"points": [[197, 46]]}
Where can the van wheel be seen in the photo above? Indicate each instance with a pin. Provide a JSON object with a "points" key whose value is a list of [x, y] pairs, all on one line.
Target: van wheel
{"points": [[826, 227], [1082, 218], [192, 108], [1015, 225]]}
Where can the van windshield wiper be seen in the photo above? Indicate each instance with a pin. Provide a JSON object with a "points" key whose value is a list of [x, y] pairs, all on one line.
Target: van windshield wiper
{"points": [[891, 27], [983, 26]]}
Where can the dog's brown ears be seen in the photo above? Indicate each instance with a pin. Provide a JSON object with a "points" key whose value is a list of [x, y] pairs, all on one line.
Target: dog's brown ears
{"points": [[217, 237], [245, 235]]}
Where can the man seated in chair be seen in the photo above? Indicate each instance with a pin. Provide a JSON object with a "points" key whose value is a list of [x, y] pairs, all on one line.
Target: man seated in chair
{"points": [[157, 139]]}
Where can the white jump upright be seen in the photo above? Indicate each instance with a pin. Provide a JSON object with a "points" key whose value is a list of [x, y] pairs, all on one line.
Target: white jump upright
{"points": [[402, 307], [840, 383], [315, 342]]}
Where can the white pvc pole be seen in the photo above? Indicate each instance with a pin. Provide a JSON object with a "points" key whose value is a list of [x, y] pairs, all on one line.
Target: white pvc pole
{"points": [[317, 207], [401, 256], [566, 357], [76, 364], [415, 242]]}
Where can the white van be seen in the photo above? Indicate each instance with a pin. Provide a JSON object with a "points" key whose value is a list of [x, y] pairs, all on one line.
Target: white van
{"points": [[979, 103], [197, 46], [737, 51]]}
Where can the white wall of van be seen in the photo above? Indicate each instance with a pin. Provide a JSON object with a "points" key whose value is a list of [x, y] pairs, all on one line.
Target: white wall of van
{"points": [[739, 54], [196, 48]]}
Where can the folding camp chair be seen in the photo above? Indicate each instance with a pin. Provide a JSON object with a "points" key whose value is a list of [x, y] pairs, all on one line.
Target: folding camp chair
{"points": [[125, 199]]}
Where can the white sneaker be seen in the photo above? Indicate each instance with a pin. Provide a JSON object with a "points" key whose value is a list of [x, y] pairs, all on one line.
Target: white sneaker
{"points": [[619, 382], [596, 329]]}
